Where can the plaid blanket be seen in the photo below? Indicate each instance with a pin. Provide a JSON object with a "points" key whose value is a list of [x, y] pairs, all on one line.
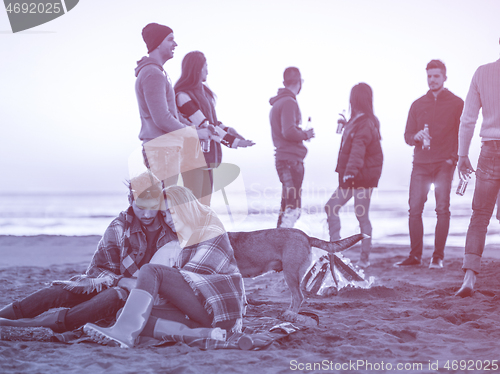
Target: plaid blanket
{"points": [[207, 263], [118, 254]]}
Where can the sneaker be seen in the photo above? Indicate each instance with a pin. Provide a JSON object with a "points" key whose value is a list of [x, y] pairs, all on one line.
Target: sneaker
{"points": [[410, 261], [436, 263]]}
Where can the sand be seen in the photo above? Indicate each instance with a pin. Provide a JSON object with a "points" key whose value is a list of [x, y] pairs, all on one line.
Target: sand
{"points": [[409, 321]]}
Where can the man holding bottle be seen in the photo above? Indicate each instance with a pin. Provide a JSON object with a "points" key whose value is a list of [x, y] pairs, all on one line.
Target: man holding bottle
{"points": [[288, 139], [484, 94], [432, 128]]}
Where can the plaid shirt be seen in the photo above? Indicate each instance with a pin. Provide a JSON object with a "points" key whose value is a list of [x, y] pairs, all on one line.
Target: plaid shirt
{"points": [[210, 268], [118, 254]]}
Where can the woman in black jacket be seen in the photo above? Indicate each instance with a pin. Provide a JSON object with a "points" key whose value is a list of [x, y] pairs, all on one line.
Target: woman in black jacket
{"points": [[359, 166]]}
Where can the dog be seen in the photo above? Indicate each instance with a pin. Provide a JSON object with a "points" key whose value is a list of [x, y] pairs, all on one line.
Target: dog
{"points": [[282, 249]]}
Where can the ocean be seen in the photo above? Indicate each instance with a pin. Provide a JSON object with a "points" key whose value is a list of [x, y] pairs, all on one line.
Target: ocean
{"points": [[251, 209]]}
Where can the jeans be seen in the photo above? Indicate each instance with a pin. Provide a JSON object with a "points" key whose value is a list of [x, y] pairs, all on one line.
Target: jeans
{"points": [[169, 283], [483, 203], [164, 162], [422, 176], [200, 182], [83, 307], [362, 198], [291, 174]]}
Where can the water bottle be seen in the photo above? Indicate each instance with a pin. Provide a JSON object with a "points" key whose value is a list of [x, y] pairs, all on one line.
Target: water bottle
{"points": [[427, 142], [308, 126], [205, 144], [340, 122]]}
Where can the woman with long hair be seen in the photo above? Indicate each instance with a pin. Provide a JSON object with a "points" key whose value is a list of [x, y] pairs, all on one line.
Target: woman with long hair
{"points": [[204, 289], [196, 104], [359, 166]]}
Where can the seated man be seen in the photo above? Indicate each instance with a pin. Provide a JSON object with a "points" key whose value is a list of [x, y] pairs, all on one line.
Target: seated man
{"points": [[129, 242]]}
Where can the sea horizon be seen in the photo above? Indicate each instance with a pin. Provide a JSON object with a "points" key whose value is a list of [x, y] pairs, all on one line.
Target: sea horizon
{"points": [[89, 213]]}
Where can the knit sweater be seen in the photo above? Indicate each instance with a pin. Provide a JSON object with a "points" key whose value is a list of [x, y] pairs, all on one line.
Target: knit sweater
{"points": [[484, 92], [285, 121], [442, 115]]}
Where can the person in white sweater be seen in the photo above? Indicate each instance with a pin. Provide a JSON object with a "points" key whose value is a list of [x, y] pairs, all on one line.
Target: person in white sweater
{"points": [[484, 93]]}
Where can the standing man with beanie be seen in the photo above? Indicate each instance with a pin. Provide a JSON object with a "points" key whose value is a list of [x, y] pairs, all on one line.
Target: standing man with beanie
{"points": [[484, 92], [432, 128], [288, 138], [166, 141]]}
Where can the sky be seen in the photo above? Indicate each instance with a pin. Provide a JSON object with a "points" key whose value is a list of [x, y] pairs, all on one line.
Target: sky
{"points": [[69, 115]]}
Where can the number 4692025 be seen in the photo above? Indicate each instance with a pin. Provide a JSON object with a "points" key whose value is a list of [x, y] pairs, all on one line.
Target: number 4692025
{"points": [[471, 365], [33, 8]]}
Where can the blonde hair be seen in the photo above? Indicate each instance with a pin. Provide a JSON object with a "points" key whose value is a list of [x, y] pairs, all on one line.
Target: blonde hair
{"points": [[186, 206]]}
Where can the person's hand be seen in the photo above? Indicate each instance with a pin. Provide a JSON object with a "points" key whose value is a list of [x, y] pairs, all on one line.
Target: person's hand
{"points": [[346, 177], [234, 133], [245, 143], [212, 129], [309, 134], [464, 166], [127, 283], [421, 135], [342, 120], [203, 133]]}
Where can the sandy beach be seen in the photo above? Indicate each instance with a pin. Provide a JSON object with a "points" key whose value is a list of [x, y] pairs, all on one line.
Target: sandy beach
{"points": [[408, 321]]}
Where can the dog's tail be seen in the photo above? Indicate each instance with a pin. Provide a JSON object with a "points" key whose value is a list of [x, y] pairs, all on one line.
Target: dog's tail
{"points": [[338, 245]]}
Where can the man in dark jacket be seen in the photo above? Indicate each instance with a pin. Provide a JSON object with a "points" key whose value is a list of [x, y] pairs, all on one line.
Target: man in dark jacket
{"points": [[432, 128], [288, 138], [130, 241]]}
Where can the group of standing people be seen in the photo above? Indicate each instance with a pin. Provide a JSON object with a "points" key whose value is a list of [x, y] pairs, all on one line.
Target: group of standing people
{"points": [[440, 129], [359, 164], [440, 126], [180, 131]]}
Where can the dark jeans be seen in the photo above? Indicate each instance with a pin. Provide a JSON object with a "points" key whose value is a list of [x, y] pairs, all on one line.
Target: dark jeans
{"points": [[164, 162], [362, 198], [483, 203], [83, 307], [169, 283], [200, 182], [422, 176], [291, 174]]}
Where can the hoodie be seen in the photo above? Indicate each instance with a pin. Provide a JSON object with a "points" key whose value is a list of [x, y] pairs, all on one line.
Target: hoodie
{"points": [[285, 121], [156, 99]]}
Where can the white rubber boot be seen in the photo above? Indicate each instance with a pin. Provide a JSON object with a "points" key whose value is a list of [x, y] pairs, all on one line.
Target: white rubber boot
{"points": [[129, 324]]}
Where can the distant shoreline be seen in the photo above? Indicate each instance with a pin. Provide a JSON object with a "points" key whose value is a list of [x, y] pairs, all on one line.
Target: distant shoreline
{"points": [[48, 250]]}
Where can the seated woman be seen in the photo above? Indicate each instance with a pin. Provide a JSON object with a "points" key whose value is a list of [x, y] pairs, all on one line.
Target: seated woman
{"points": [[205, 284]]}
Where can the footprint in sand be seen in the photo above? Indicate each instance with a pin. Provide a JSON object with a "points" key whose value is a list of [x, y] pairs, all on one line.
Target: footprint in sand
{"points": [[404, 336]]}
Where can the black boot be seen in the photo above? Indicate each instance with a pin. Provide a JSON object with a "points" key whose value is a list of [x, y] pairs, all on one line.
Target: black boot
{"points": [[11, 311], [52, 320]]}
